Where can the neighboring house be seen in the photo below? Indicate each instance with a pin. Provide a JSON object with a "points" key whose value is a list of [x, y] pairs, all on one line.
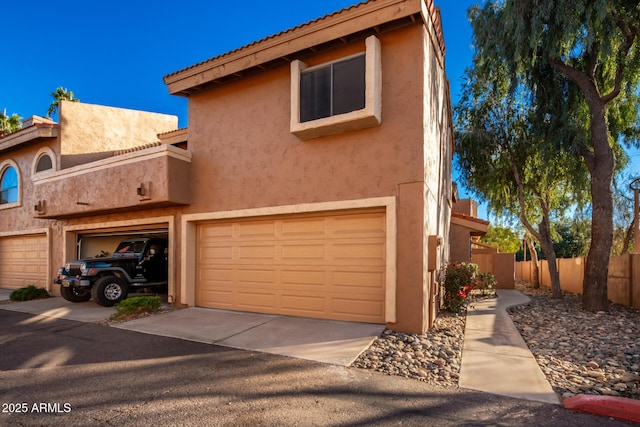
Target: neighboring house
{"points": [[314, 178], [466, 229], [54, 175]]}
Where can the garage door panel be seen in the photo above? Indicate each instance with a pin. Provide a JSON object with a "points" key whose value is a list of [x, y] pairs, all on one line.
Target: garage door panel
{"points": [[215, 231], [352, 309], [220, 275], [255, 230], [313, 265], [302, 278], [216, 253], [303, 305], [366, 253], [310, 228], [250, 277], [246, 252], [369, 224], [23, 261], [301, 251], [222, 299], [364, 280], [254, 300]]}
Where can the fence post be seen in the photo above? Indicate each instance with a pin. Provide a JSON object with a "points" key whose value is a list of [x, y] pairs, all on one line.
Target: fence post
{"points": [[634, 280]]}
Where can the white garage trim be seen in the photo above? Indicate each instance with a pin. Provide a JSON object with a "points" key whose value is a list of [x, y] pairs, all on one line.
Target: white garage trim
{"points": [[47, 233], [189, 240], [69, 239]]}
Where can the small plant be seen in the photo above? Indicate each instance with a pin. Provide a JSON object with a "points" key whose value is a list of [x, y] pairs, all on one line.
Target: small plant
{"points": [[458, 283], [135, 306], [28, 293], [486, 283]]}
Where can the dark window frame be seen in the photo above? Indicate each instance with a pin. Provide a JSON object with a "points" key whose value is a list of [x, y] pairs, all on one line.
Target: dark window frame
{"points": [[339, 87]]}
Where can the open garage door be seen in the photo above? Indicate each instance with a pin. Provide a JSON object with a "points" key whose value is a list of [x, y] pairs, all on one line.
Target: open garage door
{"points": [[23, 261], [102, 243], [328, 265]]}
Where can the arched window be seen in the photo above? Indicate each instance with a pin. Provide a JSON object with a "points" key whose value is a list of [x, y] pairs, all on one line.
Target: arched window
{"points": [[44, 163], [9, 185]]}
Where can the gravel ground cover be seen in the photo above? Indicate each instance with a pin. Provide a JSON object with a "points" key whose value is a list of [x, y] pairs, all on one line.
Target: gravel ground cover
{"points": [[579, 352]]}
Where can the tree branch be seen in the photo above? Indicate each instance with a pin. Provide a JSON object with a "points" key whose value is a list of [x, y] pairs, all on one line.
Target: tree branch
{"points": [[630, 35]]}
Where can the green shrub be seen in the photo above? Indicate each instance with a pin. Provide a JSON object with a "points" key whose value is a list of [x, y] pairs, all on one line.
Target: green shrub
{"points": [[28, 293], [458, 283], [136, 305], [486, 283]]}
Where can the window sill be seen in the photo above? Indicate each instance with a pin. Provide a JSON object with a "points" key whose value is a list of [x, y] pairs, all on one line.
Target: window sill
{"points": [[10, 205], [354, 120]]}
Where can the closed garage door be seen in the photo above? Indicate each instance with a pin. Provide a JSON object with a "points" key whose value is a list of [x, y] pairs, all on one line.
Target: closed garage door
{"points": [[329, 266], [23, 261]]}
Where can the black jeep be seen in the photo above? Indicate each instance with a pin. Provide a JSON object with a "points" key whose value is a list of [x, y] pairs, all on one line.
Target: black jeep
{"points": [[135, 264]]}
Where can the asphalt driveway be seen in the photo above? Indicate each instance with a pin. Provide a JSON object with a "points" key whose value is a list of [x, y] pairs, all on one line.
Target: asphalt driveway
{"points": [[73, 373]]}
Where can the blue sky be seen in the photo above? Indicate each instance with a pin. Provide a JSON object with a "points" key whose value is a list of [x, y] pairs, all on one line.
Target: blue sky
{"points": [[116, 53]]}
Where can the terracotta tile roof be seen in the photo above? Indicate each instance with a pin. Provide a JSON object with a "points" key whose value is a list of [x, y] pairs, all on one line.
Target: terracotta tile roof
{"points": [[273, 36], [370, 15], [138, 148]]}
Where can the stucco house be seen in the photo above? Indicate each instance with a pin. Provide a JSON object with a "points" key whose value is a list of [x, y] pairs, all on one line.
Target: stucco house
{"points": [[314, 178]]}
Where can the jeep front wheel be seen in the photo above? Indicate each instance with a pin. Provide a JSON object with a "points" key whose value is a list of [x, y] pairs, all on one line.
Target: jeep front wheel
{"points": [[74, 295], [109, 290]]}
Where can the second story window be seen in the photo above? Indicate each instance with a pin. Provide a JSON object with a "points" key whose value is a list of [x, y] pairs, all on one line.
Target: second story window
{"points": [[9, 186], [332, 89], [344, 95], [44, 163]]}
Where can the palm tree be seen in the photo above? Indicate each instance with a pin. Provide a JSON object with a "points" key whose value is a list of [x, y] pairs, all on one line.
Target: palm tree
{"points": [[60, 94], [10, 123]]}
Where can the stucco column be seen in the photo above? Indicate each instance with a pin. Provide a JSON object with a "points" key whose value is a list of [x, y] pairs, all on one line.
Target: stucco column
{"points": [[412, 302]]}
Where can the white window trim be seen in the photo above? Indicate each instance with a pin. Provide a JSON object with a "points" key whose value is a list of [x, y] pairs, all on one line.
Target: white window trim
{"points": [[54, 163], [3, 166], [369, 116]]}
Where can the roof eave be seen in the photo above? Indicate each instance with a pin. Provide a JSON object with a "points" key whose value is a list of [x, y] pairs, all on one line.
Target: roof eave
{"points": [[339, 27], [28, 134]]}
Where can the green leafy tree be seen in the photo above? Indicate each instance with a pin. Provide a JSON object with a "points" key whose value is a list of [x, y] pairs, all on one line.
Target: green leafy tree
{"points": [[581, 60], [502, 237], [9, 124], [573, 239], [504, 159], [60, 94]]}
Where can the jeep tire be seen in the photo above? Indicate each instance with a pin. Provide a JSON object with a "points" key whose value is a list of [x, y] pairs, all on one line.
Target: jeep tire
{"points": [[109, 290], [74, 295]]}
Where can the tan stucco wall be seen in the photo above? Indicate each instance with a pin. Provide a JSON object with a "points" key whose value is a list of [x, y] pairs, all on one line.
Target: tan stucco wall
{"points": [[90, 132], [460, 244], [21, 218], [161, 172], [244, 155], [240, 139], [467, 207], [437, 154]]}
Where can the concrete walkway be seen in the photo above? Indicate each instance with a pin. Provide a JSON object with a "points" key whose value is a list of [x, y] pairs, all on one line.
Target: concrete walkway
{"points": [[495, 358]]}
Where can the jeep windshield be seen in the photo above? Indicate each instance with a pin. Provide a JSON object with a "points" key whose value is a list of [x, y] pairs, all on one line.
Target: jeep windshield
{"points": [[129, 247]]}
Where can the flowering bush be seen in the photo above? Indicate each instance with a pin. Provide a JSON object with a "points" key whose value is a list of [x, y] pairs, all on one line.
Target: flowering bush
{"points": [[458, 283]]}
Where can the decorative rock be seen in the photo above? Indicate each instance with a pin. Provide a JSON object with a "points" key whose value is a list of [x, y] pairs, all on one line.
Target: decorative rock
{"points": [[579, 352]]}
